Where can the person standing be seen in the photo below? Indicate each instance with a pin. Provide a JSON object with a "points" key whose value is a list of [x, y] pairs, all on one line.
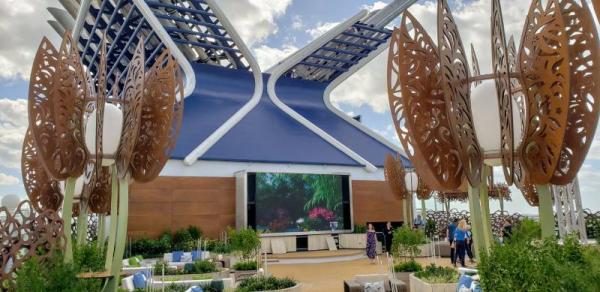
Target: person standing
{"points": [[450, 236], [389, 236], [371, 243], [470, 244], [506, 229], [460, 238], [419, 222]]}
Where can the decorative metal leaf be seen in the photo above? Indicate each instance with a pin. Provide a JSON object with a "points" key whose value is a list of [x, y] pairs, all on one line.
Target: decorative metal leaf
{"points": [[161, 118], [418, 106], [530, 194], [57, 93], [100, 101], [596, 4], [501, 66], [545, 79], [423, 191], [132, 109], [43, 192], [98, 191], [584, 103], [455, 75], [475, 66], [394, 175]]}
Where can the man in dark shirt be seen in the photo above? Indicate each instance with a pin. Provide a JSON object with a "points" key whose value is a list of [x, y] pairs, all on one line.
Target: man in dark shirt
{"points": [[450, 236]]}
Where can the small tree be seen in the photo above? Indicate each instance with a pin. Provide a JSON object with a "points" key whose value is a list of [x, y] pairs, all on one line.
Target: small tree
{"points": [[246, 242], [406, 242]]}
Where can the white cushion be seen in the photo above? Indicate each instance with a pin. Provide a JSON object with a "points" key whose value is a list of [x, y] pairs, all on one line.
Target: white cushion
{"points": [[127, 283], [168, 257], [186, 257], [374, 287], [126, 263]]}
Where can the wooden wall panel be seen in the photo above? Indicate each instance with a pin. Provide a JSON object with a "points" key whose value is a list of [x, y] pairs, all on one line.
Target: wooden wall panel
{"points": [[373, 201], [171, 203]]}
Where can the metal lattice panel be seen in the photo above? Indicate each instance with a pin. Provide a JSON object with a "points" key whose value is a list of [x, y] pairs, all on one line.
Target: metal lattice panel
{"points": [[569, 211]]}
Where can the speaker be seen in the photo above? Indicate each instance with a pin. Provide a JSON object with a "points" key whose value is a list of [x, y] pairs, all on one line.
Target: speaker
{"points": [[346, 202], [252, 200]]}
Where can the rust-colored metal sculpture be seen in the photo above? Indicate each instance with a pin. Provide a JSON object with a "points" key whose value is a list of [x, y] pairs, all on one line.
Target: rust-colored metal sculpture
{"points": [[133, 93], [43, 191], [25, 233], [501, 67], [454, 72], [160, 119], [596, 4], [97, 191], [394, 175], [499, 191], [418, 106], [530, 194], [584, 95], [423, 191], [545, 79], [57, 92]]}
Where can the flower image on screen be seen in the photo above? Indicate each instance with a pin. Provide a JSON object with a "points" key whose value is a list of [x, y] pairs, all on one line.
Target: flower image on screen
{"points": [[298, 202]]}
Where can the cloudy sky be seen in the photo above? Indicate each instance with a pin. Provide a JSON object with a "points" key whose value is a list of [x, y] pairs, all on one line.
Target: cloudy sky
{"points": [[273, 29]]}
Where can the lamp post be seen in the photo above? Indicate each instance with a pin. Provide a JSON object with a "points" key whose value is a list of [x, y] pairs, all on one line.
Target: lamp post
{"points": [[411, 181]]}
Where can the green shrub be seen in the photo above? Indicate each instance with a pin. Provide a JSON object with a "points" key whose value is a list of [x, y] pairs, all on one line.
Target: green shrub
{"points": [[410, 266], [89, 257], [182, 240], [246, 242], [360, 228], [526, 230], [406, 241], [245, 266], [201, 267], [522, 265], [437, 275], [218, 246], [52, 275], [264, 284], [160, 265], [194, 232], [430, 228]]}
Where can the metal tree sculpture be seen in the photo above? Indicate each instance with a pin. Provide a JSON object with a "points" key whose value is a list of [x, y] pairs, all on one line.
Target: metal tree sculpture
{"points": [[394, 175], [65, 102], [553, 79]]}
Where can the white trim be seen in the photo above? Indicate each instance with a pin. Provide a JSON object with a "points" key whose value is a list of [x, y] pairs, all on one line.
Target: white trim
{"points": [[291, 61], [84, 7], [63, 17], [242, 112], [205, 168], [190, 76]]}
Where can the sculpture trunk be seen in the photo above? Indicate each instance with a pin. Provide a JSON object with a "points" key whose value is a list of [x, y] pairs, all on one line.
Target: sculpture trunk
{"points": [[546, 212], [67, 214], [476, 222]]}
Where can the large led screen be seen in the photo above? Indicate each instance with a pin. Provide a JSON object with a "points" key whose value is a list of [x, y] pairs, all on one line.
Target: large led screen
{"points": [[288, 202]]}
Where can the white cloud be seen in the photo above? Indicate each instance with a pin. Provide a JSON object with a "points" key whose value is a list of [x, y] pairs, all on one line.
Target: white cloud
{"points": [[321, 28], [267, 56], [22, 25], [13, 125], [375, 6], [8, 180], [254, 19], [297, 22]]}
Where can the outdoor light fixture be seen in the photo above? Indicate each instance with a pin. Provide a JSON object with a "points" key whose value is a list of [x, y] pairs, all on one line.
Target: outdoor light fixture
{"points": [[94, 143], [552, 81]]}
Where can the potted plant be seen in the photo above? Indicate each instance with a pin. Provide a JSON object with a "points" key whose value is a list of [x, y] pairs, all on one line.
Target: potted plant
{"points": [[245, 243], [435, 279], [263, 283], [405, 246]]}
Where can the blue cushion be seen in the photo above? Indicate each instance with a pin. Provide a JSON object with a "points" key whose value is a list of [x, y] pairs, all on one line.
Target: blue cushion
{"points": [[464, 281], [139, 280], [146, 272], [177, 256], [196, 255], [197, 289]]}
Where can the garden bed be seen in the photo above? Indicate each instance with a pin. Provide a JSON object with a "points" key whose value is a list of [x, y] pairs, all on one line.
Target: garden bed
{"points": [[417, 284]]}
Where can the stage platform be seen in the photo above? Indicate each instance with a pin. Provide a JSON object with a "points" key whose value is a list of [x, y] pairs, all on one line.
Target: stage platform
{"points": [[315, 257]]}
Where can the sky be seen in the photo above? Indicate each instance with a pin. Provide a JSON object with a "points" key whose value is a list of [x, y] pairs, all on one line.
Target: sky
{"points": [[273, 29]]}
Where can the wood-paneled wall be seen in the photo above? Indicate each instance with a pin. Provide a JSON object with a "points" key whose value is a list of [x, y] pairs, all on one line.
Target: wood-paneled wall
{"points": [[373, 201], [171, 203]]}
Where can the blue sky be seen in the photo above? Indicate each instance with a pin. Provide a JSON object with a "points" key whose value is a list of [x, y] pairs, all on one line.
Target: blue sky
{"points": [[273, 29]]}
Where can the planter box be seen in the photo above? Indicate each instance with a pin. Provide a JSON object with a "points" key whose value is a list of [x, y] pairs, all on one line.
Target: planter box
{"points": [[291, 289], [425, 250], [404, 277], [417, 284], [190, 277], [227, 283], [241, 275]]}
